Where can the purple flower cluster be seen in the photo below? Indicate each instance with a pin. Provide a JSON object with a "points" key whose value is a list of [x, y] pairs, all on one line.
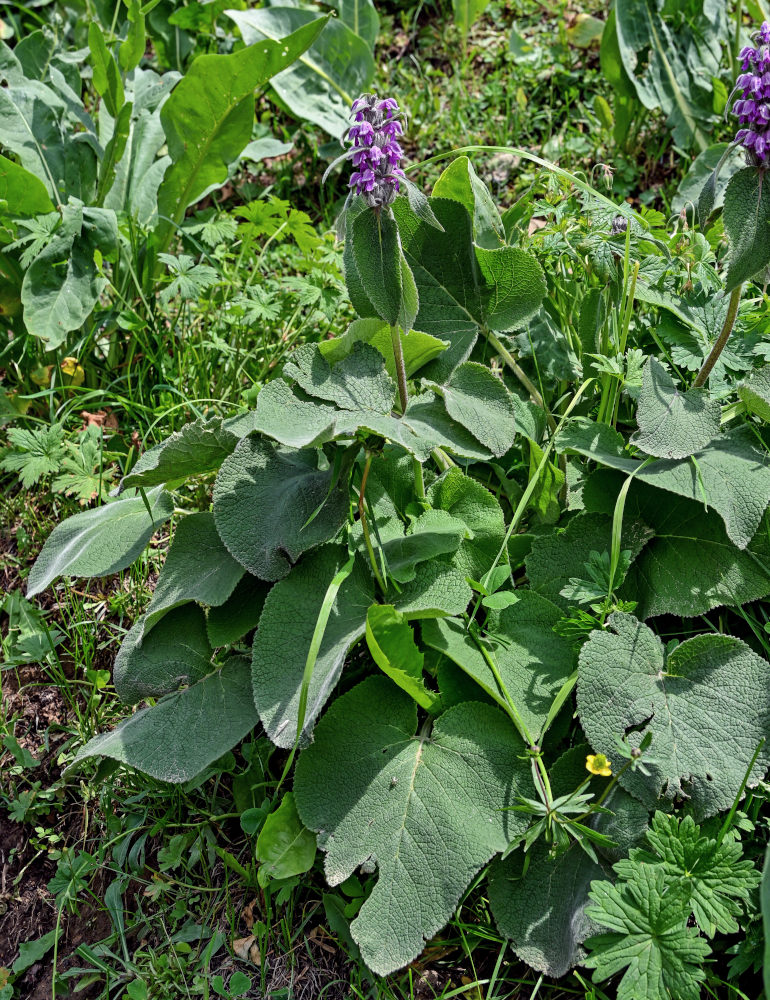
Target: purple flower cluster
{"points": [[376, 154], [753, 107]]}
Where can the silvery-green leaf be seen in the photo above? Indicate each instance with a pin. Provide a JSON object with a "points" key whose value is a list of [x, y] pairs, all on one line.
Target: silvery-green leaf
{"points": [[673, 424], [270, 506], [186, 731], [100, 541], [706, 704], [381, 791]]}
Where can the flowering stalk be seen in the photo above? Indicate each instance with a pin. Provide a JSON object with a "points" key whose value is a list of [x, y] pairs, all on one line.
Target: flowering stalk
{"points": [[753, 106], [375, 153]]}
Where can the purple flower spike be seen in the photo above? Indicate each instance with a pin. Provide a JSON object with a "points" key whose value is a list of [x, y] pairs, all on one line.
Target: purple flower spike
{"points": [[376, 153], [753, 105]]}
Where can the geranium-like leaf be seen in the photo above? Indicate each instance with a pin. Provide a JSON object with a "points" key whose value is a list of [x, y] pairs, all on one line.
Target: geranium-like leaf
{"points": [[532, 661], [385, 793], [198, 567], [101, 541], [715, 874], [176, 652], [270, 506], [181, 735], [648, 937], [706, 704], [481, 403], [746, 217], [280, 652], [673, 424], [542, 910], [716, 475], [199, 447]]}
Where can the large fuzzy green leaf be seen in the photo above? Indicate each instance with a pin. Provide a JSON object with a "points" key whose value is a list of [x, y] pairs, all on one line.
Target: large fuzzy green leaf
{"points": [[198, 567], [707, 705], [673, 424], [208, 118], [747, 223], [687, 566], [542, 907], [359, 381], [460, 182], [386, 794], [199, 447], [360, 16], [437, 590], [716, 475], [281, 643], [532, 661], [327, 77], [755, 393], [176, 652], [481, 403], [22, 191], [186, 731], [62, 284], [471, 502], [101, 541], [418, 348], [444, 267], [33, 126], [229, 622], [514, 286], [270, 506], [659, 62], [377, 254]]}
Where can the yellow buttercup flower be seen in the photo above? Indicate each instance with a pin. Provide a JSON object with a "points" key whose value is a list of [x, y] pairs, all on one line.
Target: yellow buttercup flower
{"points": [[597, 763], [72, 368]]}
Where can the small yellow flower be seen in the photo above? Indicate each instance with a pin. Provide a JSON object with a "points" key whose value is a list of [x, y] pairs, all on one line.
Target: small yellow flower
{"points": [[597, 763], [71, 367]]}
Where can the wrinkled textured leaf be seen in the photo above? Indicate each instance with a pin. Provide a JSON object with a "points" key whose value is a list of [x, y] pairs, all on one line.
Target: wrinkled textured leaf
{"points": [[755, 393], [280, 652], [198, 567], [716, 475], [438, 589], [673, 424], [378, 792], [707, 705], [264, 500], [357, 381], [471, 502], [377, 255], [543, 910], [481, 403], [176, 652], [101, 541], [532, 661], [184, 733], [418, 348], [460, 182], [515, 286], [746, 217], [391, 642], [199, 447], [239, 614]]}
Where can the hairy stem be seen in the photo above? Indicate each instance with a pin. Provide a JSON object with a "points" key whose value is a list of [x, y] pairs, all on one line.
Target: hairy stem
{"points": [[398, 354], [727, 329], [534, 392], [365, 524]]}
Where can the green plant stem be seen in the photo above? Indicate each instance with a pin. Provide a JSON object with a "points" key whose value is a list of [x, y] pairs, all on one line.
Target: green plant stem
{"points": [[365, 524], [419, 479], [398, 354], [727, 329], [534, 392]]}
